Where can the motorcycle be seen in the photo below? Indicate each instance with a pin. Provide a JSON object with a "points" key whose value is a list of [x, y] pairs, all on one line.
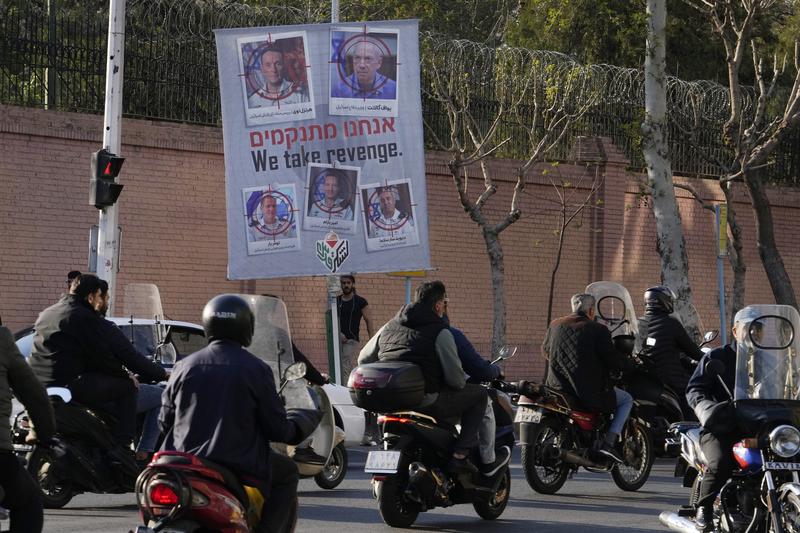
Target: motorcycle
{"points": [[658, 404], [763, 494], [180, 492], [408, 474]]}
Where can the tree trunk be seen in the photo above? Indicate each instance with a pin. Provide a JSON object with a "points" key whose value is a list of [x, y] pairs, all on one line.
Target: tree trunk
{"points": [[495, 251], [669, 228], [735, 256], [771, 258]]}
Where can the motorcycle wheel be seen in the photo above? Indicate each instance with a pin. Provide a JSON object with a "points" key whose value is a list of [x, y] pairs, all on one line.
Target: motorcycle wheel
{"points": [[333, 473], [790, 513], [395, 509], [544, 479], [497, 504], [638, 454], [56, 493]]}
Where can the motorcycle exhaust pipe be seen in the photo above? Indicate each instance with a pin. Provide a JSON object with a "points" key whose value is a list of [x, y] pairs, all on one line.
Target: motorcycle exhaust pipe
{"points": [[416, 471], [568, 456], [677, 523]]}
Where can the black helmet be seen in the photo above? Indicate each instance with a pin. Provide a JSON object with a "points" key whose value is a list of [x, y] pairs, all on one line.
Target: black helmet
{"points": [[228, 316], [659, 298]]}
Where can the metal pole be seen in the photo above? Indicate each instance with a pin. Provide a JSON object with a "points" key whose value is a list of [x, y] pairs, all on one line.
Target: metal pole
{"points": [[721, 271], [108, 238], [51, 73], [408, 290], [334, 11], [335, 331]]}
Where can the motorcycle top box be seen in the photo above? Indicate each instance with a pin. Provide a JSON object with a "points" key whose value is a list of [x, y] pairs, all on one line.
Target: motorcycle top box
{"points": [[387, 387]]}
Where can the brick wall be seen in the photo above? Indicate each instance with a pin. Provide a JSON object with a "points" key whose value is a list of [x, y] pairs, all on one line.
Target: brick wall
{"points": [[172, 214]]}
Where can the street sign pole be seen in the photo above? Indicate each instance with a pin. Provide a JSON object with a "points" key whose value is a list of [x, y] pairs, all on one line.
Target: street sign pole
{"points": [[721, 217], [108, 236]]}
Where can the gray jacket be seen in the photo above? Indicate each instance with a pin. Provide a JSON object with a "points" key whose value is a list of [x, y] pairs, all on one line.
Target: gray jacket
{"points": [[16, 375]]}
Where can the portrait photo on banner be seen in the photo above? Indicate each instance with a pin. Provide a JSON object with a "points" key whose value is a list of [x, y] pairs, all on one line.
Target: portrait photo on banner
{"points": [[331, 198], [389, 217], [364, 72], [276, 78], [271, 215]]}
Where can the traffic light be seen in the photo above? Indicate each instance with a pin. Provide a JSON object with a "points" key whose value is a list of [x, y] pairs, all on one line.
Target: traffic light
{"points": [[104, 190]]}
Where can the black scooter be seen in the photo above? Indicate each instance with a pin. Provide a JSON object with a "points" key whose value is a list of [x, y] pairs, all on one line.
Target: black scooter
{"points": [[409, 474]]}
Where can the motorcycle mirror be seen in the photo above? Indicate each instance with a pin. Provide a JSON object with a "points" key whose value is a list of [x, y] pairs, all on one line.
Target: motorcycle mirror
{"points": [[166, 354], [710, 336], [506, 351], [714, 367], [295, 371]]}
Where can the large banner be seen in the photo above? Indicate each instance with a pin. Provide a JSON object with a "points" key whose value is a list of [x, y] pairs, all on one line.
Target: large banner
{"points": [[324, 163]]}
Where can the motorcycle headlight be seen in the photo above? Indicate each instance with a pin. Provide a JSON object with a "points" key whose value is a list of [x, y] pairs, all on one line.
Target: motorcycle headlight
{"points": [[785, 441]]}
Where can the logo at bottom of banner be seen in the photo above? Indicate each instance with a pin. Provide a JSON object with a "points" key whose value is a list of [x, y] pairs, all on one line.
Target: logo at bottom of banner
{"points": [[333, 251]]}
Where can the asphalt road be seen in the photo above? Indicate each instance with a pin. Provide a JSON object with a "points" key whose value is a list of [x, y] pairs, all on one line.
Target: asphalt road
{"points": [[587, 501]]}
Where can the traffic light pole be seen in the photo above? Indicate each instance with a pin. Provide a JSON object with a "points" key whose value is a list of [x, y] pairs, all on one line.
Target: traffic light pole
{"points": [[108, 235]]}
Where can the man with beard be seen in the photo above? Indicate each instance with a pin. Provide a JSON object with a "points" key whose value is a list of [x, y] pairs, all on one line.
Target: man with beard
{"points": [[351, 308]]}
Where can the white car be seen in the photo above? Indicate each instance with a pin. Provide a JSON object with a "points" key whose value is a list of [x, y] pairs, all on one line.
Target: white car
{"points": [[172, 340]]}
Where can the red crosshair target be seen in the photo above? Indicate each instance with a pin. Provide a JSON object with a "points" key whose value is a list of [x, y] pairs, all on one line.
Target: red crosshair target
{"points": [[347, 45], [375, 213], [286, 224], [253, 67]]}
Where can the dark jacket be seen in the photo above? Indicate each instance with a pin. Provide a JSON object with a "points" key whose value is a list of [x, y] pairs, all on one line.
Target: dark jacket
{"points": [[68, 336], [705, 392], [17, 376], [221, 404], [118, 354], [671, 343], [581, 357], [478, 368], [411, 337]]}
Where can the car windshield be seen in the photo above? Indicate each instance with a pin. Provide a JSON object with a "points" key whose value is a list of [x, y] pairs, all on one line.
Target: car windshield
{"points": [[767, 363], [144, 337]]}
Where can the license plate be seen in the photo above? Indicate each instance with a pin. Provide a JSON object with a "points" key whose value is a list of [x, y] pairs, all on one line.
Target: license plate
{"points": [[781, 466], [382, 462], [524, 414]]}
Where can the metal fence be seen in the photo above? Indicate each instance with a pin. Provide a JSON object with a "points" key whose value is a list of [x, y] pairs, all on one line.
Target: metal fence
{"points": [[52, 55]]}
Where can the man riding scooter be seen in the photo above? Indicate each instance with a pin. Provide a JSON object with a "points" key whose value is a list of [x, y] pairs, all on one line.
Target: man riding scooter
{"points": [[22, 496], [418, 334], [221, 404], [664, 340]]}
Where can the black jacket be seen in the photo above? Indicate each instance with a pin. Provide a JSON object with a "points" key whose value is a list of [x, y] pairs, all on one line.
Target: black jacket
{"points": [[16, 376], [704, 392], [411, 337], [221, 404], [581, 357], [68, 336], [118, 352], [671, 343]]}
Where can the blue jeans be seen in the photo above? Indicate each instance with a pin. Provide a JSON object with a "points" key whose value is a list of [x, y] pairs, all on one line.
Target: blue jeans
{"points": [[624, 405], [148, 400]]}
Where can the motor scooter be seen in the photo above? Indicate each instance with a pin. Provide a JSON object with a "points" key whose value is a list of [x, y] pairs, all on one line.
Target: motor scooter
{"points": [[181, 492]]}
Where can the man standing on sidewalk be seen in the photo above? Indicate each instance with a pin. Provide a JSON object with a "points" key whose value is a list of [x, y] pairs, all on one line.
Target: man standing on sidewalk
{"points": [[351, 308]]}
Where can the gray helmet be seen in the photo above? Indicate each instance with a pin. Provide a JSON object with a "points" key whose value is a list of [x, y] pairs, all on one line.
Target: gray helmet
{"points": [[659, 298], [228, 316]]}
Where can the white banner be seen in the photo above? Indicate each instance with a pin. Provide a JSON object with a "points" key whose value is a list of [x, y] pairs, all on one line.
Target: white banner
{"points": [[324, 162]]}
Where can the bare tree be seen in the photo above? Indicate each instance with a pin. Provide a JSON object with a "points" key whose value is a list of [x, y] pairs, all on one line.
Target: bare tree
{"points": [[752, 131], [572, 200], [669, 228], [532, 99]]}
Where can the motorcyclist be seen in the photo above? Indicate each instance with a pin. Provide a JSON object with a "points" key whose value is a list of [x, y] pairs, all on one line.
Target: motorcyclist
{"points": [[664, 340], [221, 404], [711, 402], [22, 496], [418, 334], [72, 348], [581, 357], [480, 370]]}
